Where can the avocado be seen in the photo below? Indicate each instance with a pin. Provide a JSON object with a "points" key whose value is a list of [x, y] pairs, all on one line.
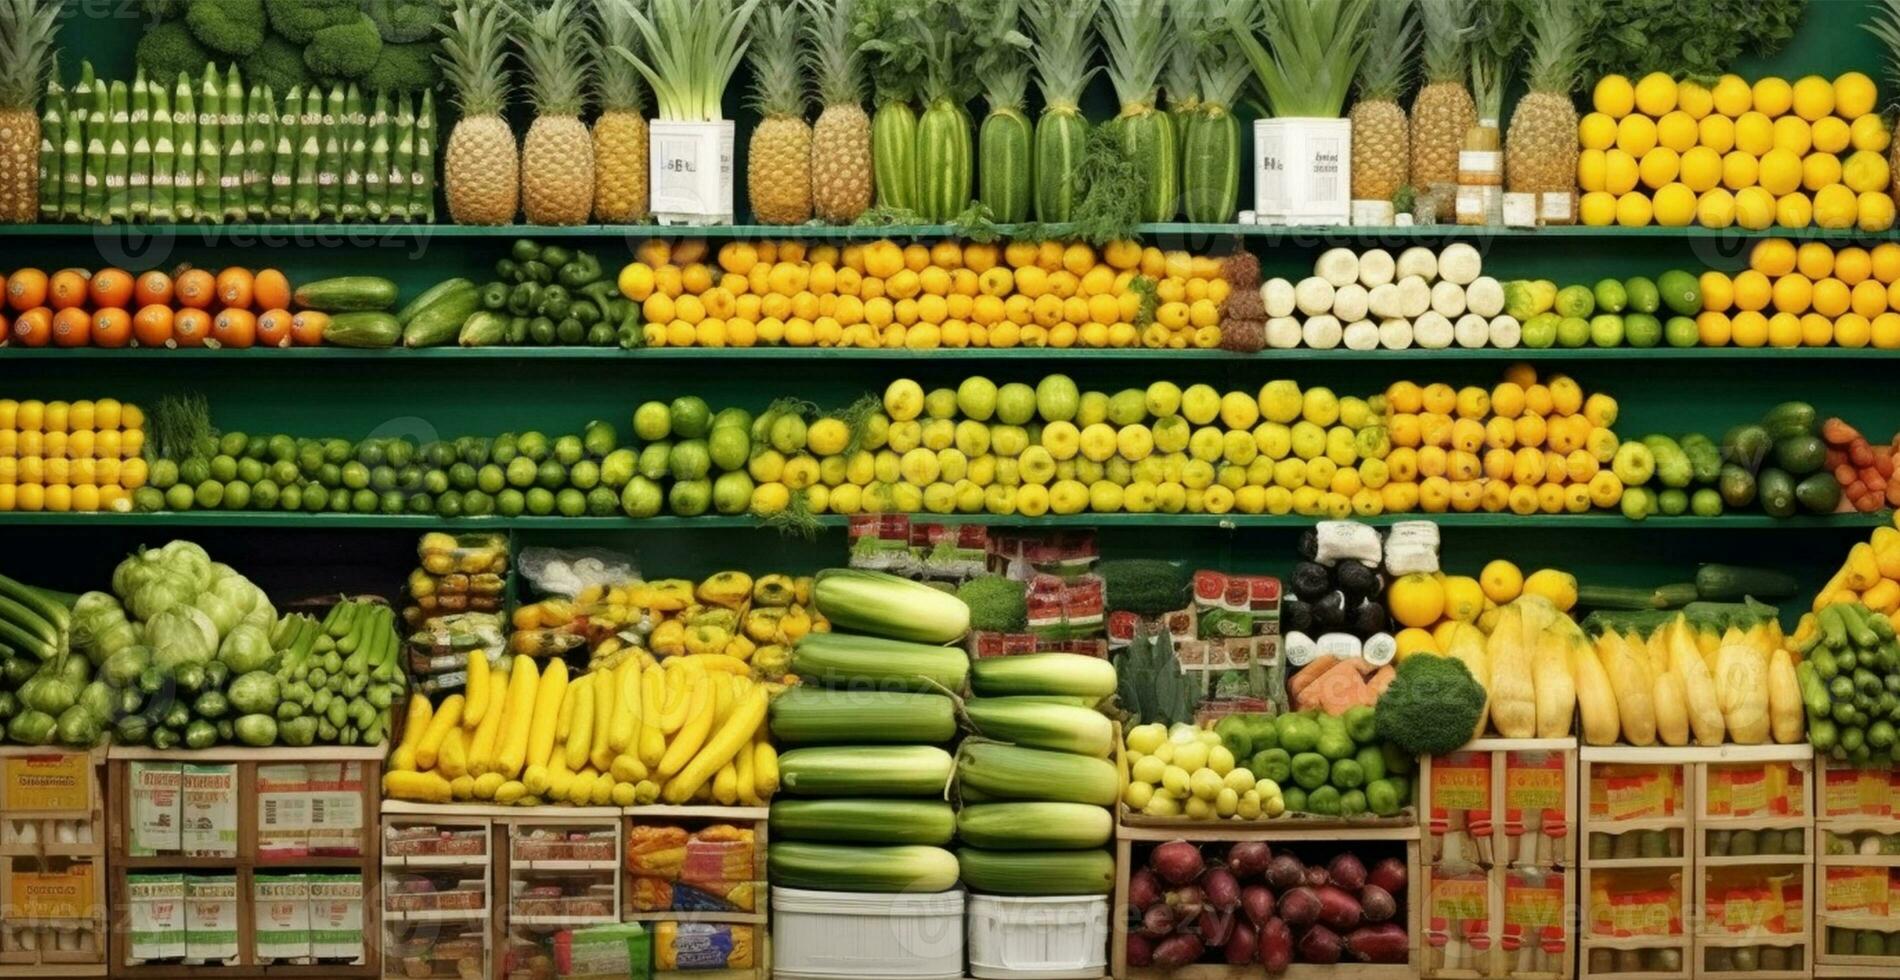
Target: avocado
{"points": [[1776, 490], [1357, 580], [1311, 580], [1789, 419], [1308, 546], [1329, 612], [1366, 619], [1800, 454], [1737, 485], [1819, 493], [1747, 446], [1296, 616]]}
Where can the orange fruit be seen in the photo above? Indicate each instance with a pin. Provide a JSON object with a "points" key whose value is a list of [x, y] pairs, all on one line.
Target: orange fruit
{"points": [[191, 327], [152, 287], [271, 291], [72, 327], [306, 328], [273, 328], [153, 325], [33, 327], [196, 289], [67, 289], [111, 327], [111, 288], [26, 289], [235, 327], [235, 287]]}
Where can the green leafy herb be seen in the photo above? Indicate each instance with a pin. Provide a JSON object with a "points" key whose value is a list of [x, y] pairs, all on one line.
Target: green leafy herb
{"points": [[1698, 40]]}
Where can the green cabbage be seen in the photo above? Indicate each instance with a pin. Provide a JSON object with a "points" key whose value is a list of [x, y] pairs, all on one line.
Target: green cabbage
{"points": [[224, 615], [238, 591], [246, 648], [254, 693], [95, 605], [181, 635], [110, 640], [257, 730], [157, 592]]}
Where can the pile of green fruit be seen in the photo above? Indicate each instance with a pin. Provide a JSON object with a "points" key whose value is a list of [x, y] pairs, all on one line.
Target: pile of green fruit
{"points": [[1332, 765], [1613, 313], [544, 295], [1850, 684], [1778, 463]]}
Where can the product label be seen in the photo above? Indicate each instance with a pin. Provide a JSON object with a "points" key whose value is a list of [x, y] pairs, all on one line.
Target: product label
{"points": [[1533, 901], [158, 916], [1462, 781], [336, 916], [208, 812], [47, 783], [692, 170], [1857, 891], [67, 894], [281, 904], [211, 927], [1461, 898], [1534, 781], [155, 808], [336, 809], [283, 811]]}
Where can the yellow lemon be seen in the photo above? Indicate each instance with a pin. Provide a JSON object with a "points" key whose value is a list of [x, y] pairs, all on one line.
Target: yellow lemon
{"points": [[1754, 133], [1772, 96], [1597, 131], [1660, 166], [1792, 293], [1852, 265], [1886, 331], [1677, 130], [1853, 95], [1633, 210], [1613, 96], [1870, 298], [1656, 93], [1780, 171], [1557, 586], [1715, 208], [1597, 209], [1818, 170], [1701, 168], [1792, 133], [1712, 330], [1620, 172], [1749, 329], [1886, 262], [1417, 599], [1870, 132], [1732, 96], [1816, 330], [1464, 598], [1636, 135], [1718, 290], [1754, 208], [1836, 207], [1695, 99], [1739, 170], [1865, 171], [1752, 290], [1675, 205], [1813, 97], [1853, 330], [1830, 134], [1876, 211], [1831, 297], [1814, 260], [1501, 581], [1413, 640], [1591, 168], [1717, 133]]}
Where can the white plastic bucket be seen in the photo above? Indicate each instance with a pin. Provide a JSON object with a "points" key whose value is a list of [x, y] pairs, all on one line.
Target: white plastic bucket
{"points": [[690, 174], [1302, 172], [818, 935], [1040, 938]]}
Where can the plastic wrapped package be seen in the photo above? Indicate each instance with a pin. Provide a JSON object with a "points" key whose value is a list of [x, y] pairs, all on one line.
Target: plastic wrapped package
{"points": [[562, 572], [702, 946], [443, 553]]}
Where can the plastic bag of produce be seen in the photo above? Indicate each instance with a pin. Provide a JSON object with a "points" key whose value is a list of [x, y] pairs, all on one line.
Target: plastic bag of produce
{"points": [[560, 572]]}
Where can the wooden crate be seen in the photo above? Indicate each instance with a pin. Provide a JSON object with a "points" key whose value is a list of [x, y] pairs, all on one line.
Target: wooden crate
{"points": [[1502, 777], [246, 864], [401, 927], [1507, 922], [1766, 791], [1851, 801], [1272, 832], [755, 817], [45, 795], [1634, 790]]}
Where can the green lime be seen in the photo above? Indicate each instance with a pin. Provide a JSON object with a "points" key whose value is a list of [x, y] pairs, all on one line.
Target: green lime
{"points": [[641, 498], [148, 499], [257, 447], [1573, 331], [435, 482], [162, 474], [461, 476], [1611, 297], [551, 475], [370, 452], [568, 450], [178, 496], [602, 502], [540, 501], [400, 452], [223, 468], [689, 498], [570, 502], [652, 421], [1680, 331], [339, 502], [490, 479], [449, 505], [689, 460], [420, 503], [691, 418], [584, 475], [510, 502], [477, 504], [1642, 330], [533, 445], [264, 495], [365, 501], [520, 472], [282, 447], [210, 495], [1642, 293], [284, 472], [1681, 292], [290, 498], [233, 443], [391, 501]]}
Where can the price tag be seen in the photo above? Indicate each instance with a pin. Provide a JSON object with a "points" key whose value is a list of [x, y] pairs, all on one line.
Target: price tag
{"points": [[1748, 791], [1841, 793]]}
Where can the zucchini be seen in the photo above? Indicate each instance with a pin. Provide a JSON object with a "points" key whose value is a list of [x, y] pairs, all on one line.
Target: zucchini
{"points": [[439, 322], [365, 329], [347, 294], [943, 162], [802, 716], [1060, 135], [854, 821], [40, 601], [886, 605], [866, 770], [1005, 145], [28, 620], [1732, 583], [484, 329], [1068, 674], [910, 869], [430, 297], [1008, 772], [1210, 166], [1040, 725], [1628, 597], [842, 660], [25, 641], [1089, 872], [894, 156], [1032, 826]]}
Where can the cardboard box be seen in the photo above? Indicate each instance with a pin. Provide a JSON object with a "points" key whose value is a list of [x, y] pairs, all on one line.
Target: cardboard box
{"points": [[623, 950], [211, 918], [336, 917], [208, 817], [336, 809], [155, 808], [57, 782], [158, 916], [281, 911], [68, 892], [283, 811]]}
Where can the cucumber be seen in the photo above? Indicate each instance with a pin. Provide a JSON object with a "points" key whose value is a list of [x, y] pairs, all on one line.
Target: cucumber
{"points": [[1731, 583], [894, 156], [1628, 598], [1210, 168], [1060, 134], [430, 297], [367, 329], [437, 323], [37, 600], [485, 329], [1007, 175], [347, 294], [1148, 139], [943, 163]]}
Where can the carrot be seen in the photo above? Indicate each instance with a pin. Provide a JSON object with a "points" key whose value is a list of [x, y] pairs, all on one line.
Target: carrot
{"points": [[1836, 432], [1893, 493], [1381, 679], [1310, 673], [1341, 689], [1861, 453], [1883, 460], [1874, 481], [1366, 667], [1845, 474]]}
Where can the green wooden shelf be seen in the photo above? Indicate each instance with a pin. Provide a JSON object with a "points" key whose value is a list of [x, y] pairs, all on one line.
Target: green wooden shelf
{"points": [[1762, 354], [269, 519]]}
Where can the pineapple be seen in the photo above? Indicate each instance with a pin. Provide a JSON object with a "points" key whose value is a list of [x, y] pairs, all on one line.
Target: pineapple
{"points": [[1443, 110], [1884, 24], [557, 157], [841, 139], [620, 134], [778, 159], [26, 56], [1380, 151], [1540, 152], [481, 165]]}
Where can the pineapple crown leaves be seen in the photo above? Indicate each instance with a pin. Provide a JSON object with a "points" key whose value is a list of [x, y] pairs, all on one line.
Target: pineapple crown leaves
{"points": [[1498, 29], [834, 52], [618, 82], [1063, 49], [1135, 35], [689, 50], [1002, 59], [1884, 24], [777, 61], [1448, 25], [1395, 30], [27, 29], [1187, 45], [559, 58], [1316, 49], [1220, 69], [474, 55], [1558, 29]]}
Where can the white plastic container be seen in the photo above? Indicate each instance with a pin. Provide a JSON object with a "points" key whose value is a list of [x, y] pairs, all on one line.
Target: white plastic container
{"points": [[1041, 938], [1302, 171], [691, 171], [817, 935]]}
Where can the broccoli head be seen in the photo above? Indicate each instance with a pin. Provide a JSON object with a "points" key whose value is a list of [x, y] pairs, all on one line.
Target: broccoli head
{"points": [[277, 63], [404, 68], [168, 49], [299, 20], [1431, 707], [233, 27], [403, 21], [345, 51]]}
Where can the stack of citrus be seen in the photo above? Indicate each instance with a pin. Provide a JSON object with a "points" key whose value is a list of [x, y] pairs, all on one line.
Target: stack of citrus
{"points": [[951, 294], [112, 308], [1812, 296], [1427, 606], [1774, 153], [61, 456]]}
